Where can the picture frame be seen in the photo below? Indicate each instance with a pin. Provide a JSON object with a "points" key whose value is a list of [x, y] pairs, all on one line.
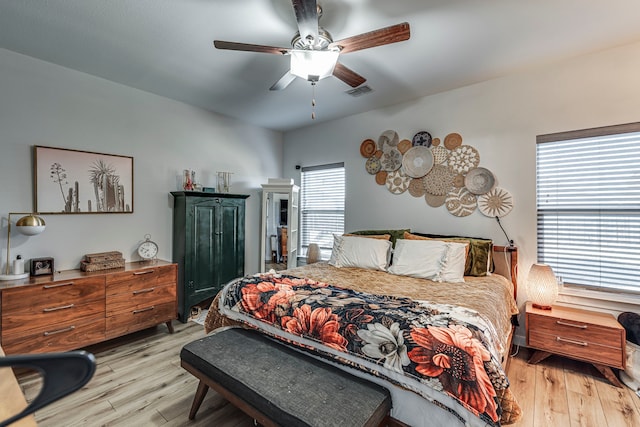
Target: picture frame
{"points": [[81, 182], [42, 266]]}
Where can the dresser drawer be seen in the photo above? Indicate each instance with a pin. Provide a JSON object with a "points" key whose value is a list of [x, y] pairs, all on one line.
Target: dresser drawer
{"points": [[140, 318], [34, 299], [18, 322], [572, 329], [140, 279], [140, 298], [57, 337], [582, 348]]}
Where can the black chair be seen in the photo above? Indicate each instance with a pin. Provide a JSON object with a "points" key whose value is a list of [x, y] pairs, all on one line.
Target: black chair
{"points": [[62, 374]]}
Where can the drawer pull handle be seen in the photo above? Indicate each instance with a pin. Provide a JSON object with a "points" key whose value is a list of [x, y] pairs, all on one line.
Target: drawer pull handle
{"points": [[70, 328], [582, 343], [57, 285], [138, 273], [144, 291], [573, 325], [62, 307], [142, 310]]}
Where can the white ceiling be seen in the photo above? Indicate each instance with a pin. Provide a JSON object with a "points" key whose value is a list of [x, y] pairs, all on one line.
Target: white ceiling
{"points": [[165, 47]]}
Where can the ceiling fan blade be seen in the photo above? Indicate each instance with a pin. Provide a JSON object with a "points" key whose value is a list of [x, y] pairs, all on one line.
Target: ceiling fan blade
{"points": [[246, 47], [348, 76], [283, 82], [307, 17], [382, 36]]}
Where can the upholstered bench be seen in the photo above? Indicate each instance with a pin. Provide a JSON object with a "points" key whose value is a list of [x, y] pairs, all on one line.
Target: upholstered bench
{"points": [[279, 386]]}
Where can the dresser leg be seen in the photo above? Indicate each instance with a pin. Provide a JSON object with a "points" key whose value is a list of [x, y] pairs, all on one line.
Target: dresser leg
{"points": [[608, 374], [169, 326], [538, 356]]}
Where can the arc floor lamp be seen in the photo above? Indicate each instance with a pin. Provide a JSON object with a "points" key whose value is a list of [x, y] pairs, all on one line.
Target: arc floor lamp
{"points": [[29, 225]]}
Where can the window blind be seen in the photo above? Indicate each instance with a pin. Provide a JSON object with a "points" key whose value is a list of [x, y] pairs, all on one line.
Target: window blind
{"points": [[588, 206], [322, 195]]}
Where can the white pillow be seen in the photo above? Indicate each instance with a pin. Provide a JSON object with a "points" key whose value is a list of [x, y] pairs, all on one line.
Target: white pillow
{"points": [[429, 259], [349, 251], [456, 255]]}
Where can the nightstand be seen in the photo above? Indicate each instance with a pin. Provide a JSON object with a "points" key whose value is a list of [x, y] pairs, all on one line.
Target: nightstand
{"points": [[584, 335]]}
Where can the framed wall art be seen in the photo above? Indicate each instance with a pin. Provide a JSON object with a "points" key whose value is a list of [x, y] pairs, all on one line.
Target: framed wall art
{"points": [[80, 182], [41, 266]]}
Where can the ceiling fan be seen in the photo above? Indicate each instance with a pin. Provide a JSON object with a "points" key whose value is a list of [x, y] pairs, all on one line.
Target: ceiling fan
{"points": [[314, 54]]}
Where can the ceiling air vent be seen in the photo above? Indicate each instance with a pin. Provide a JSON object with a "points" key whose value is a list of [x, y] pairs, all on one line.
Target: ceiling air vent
{"points": [[361, 90]]}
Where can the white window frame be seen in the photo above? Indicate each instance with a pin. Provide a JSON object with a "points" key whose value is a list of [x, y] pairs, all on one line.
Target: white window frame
{"points": [[324, 196], [588, 207]]}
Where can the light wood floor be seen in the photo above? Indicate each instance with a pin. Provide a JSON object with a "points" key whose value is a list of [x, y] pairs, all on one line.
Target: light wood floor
{"points": [[139, 382]]}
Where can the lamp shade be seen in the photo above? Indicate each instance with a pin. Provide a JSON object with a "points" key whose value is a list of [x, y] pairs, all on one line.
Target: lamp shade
{"points": [[30, 225], [542, 286], [313, 64]]}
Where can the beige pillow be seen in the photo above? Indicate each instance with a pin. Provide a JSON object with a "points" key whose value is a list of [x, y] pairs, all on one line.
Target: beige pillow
{"points": [[371, 236]]}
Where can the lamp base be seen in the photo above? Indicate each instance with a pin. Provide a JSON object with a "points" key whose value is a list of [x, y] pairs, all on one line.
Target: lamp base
{"points": [[541, 307], [13, 276]]}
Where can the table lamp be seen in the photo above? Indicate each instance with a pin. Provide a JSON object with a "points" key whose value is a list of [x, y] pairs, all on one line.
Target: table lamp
{"points": [[29, 225], [542, 286]]}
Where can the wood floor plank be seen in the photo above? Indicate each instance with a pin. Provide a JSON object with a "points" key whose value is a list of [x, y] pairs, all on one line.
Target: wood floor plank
{"points": [[522, 377], [551, 406], [618, 405], [139, 382]]}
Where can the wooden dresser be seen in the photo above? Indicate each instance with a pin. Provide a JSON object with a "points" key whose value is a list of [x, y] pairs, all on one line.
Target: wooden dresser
{"points": [[73, 309], [580, 334]]}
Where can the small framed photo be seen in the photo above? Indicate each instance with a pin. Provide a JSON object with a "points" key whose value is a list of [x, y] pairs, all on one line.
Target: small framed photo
{"points": [[41, 266]]}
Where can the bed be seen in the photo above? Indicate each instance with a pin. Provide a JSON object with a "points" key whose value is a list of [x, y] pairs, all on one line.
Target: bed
{"points": [[439, 345]]}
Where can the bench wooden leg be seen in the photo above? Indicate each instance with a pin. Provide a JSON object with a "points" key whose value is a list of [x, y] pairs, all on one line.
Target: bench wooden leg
{"points": [[198, 398], [169, 326]]}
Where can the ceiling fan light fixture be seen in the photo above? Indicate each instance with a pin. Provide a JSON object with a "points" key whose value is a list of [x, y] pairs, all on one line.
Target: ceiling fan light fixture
{"points": [[313, 65]]}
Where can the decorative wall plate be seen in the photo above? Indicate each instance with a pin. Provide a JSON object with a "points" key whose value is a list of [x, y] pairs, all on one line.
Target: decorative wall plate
{"points": [[464, 158], [417, 161], [458, 180], [416, 187], [439, 181], [397, 182], [373, 165], [367, 148], [435, 142], [460, 202], [381, 177], [452, 141], [479, 180], [391, 160], [404, 145], [497, 202], [440, 154], [422, 138], [435, 201], [388, 138]]}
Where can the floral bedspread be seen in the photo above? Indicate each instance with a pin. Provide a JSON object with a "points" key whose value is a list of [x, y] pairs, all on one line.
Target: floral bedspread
{"points": [[431, 349]]}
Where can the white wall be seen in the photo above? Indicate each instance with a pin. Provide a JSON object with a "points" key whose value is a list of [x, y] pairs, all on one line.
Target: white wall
{"points": [[45, 104], [500, 118]]}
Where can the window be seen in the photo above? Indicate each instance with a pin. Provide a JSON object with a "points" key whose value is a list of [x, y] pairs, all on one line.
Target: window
{"points": [[588, 205], [322, 206]]}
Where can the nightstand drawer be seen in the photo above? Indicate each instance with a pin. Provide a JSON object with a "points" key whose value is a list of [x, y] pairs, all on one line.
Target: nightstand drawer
{"points": [[581, 348], [576, 330]]}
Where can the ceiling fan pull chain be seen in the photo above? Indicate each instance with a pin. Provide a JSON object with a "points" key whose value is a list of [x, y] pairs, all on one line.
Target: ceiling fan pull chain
{"points": [[313, 100]]}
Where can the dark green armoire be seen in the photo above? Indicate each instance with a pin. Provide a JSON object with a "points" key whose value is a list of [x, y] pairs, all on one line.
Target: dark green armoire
{"points": [[208, 244]]}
